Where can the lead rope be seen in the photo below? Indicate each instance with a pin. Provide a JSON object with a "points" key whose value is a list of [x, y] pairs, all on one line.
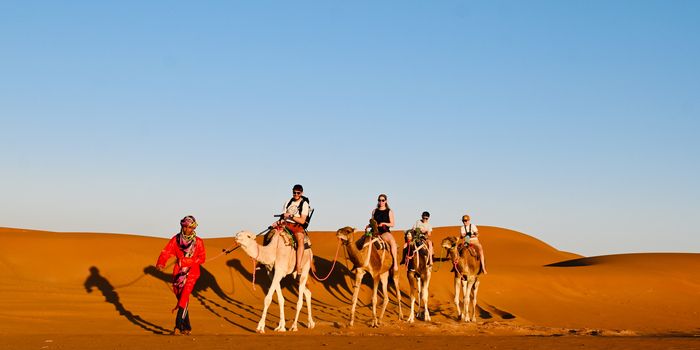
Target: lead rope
{"points": [[442, 250], [335, 259]]}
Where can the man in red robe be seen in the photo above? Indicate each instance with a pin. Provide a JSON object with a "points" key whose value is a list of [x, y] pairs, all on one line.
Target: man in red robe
{"points": [[189, 251]]}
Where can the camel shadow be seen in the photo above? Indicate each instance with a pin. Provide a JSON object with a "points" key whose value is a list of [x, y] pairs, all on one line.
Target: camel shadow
{"points": [[336, 284], [205, 282], [263, 279], [95, 280]]}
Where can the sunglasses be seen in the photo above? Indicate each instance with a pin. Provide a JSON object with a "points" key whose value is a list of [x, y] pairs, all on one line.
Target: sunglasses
{"points": [[465, 220], [381, 200], [296, 192]]}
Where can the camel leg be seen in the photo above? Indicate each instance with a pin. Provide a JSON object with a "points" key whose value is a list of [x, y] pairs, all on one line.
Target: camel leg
{"points": [[307, 293], [424, 294], [385, 285], [412, 285], [375, 287], [268, 299], [398, 294], [465, 301], [300, 299], [311, 324], [356, 293], [280, 301], [303, 291], [475, 290], [459, 309]]}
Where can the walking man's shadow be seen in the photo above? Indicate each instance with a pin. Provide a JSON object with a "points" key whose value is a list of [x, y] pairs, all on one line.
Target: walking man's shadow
{"points": [[207, 281], [95, 280]]}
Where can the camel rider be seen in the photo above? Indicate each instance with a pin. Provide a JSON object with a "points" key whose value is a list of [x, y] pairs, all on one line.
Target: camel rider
{"points": [[384, 217], [427, 230], [469, 233], [294, 214]]}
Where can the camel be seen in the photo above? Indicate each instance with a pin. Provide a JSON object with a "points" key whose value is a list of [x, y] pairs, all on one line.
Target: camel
{"points": [[378, 264], [467, 268], [418, 272], [281, 255]]}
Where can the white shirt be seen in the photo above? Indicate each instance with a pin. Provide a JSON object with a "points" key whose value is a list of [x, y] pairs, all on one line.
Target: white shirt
{"points": [[469, 228], [423, 226], [293, 209]]}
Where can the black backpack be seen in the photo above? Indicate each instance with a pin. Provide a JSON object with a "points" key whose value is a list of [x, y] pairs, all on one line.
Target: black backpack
{"points": [[301, 205]]}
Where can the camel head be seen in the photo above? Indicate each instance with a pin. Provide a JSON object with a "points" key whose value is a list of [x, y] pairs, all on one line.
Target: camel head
{"points": [[245, 239], [345, 234], [449, 243]]}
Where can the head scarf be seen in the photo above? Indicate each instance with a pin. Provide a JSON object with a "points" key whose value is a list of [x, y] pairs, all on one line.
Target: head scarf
{"points": [[191, 222]]}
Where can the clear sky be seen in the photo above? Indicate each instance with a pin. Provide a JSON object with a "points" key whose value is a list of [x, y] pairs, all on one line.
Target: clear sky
{"points": [[576, 122]]}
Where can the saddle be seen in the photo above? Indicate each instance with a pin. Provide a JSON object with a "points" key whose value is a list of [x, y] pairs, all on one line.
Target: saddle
{"points": [[377, 242], [288, 238], [419, 251], [469, 247]]}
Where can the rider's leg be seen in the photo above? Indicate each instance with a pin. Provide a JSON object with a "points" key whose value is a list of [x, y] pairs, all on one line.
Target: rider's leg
{"points": [[300, 249], [392, 243], [476, 243], [430, 252]]}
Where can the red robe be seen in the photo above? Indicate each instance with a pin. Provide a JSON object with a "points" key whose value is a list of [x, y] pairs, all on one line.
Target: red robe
{"points": [[193, 262]]}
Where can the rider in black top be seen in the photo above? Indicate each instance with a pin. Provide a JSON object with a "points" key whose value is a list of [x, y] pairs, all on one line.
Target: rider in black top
{"points": [[385, 220]]}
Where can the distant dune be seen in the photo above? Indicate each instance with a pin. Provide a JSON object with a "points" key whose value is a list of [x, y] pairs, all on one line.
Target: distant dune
{"points": [[92, 283]]}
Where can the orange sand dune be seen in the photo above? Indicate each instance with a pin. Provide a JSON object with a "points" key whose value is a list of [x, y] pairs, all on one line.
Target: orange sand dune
{"points": [[105, 284]]}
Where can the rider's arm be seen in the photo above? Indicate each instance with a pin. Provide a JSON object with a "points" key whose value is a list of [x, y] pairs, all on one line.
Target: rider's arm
{"points": [[371, 216], [303, 213]]}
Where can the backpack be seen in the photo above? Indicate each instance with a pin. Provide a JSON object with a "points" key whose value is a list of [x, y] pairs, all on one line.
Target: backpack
{"points": [[301, 205]]}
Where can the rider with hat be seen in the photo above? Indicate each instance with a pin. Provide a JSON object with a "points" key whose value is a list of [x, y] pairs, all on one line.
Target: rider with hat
{"points": [[294, 215], [469, 233]]}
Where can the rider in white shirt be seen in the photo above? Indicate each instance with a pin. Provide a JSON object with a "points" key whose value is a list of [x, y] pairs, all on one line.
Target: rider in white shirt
{"points": [[469, 233], [427, 230]]}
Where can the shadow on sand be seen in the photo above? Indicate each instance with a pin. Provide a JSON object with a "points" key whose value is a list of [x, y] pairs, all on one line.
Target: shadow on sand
{"points": [[206, 282], [95, 280]]}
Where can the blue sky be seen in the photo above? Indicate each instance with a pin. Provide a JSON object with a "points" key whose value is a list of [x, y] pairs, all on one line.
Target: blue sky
{"points": [[574, 122]]}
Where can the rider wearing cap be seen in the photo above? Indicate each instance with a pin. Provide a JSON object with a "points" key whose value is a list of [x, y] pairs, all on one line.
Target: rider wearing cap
{"points": [[469, 233], [295, 211], [427, 230]]}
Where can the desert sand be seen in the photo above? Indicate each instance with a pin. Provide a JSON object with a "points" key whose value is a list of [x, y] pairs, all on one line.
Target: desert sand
{"points": [[95, 290]]}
